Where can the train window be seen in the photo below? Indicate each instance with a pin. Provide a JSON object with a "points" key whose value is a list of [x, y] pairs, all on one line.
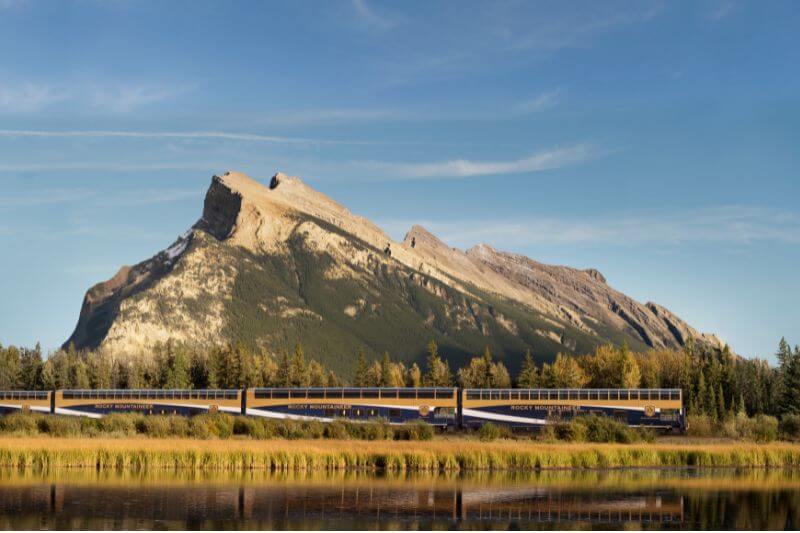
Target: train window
{"points": [[613, 395], [408, 393], [675, 395], [351, 393], [473, 395], [583, 394], [426, 394], [389, 393], [370, 393], [280, 393], [316, 393], [297, 393], [644, 395]]}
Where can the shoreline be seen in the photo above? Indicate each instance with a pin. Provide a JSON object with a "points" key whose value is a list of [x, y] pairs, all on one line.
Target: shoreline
{"points": [[444, 455]]}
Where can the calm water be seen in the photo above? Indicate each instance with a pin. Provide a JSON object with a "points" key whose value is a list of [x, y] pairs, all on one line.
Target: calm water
{"points": [[649, 499]]}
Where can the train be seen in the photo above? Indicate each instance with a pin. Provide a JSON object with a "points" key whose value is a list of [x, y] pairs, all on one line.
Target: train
{"points": [[443, 407]]}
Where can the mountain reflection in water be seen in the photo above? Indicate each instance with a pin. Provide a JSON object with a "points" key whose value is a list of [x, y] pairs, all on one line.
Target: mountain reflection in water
{"points": [[650, 499]]}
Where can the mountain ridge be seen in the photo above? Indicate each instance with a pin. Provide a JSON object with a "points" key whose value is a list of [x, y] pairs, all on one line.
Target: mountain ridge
{"points": [[277, 263]]}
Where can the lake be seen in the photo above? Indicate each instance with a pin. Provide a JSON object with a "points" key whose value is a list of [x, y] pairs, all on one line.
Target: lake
{"points": [[648, 499]]}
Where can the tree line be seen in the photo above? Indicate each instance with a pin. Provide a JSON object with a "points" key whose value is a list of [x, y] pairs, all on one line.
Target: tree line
{"points": [[715, 382]]}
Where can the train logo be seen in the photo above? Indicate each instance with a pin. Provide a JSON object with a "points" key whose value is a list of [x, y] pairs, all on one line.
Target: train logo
{"points": [[424, 410], [650, 410]]}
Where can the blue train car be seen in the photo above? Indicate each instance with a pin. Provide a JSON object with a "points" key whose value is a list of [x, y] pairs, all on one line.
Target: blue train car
{"points": [[96, 403], [436, 406], [526, 408], [16, 401]]}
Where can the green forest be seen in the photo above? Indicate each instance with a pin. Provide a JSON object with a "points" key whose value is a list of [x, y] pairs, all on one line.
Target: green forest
{"points": [[718, 385]]}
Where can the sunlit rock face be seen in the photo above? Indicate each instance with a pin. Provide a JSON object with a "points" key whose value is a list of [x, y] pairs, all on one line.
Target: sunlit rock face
{"points": [[273, 265]]}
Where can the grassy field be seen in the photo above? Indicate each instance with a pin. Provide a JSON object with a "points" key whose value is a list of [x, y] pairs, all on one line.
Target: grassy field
{"points": [[437, 455]]}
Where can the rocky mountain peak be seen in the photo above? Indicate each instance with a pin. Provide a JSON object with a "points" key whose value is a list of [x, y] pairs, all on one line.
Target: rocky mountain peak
{"points": [[595, 274], [419, 237], [291, 258]]}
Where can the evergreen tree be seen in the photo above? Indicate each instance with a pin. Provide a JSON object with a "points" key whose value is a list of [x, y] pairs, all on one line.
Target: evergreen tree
{"points": [[360, 379], [31, 366], [386, 371], [9, 367], [284, 378], [199, 371], [791, 383], [438, 371], [701, 405], [529, 373], [721, 411], [299, 370]]}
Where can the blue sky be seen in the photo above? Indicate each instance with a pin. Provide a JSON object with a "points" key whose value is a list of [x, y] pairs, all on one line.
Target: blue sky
{"points": [[655, 141]]}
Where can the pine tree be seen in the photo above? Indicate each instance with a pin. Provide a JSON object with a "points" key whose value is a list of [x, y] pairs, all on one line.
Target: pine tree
{"points": [[438, 372], [721, 411], [529, 373], [298, 370], [360, 378], [701, 403], [711, 403], [386, 371], [31, 366], [791, 382], [284, 377]]}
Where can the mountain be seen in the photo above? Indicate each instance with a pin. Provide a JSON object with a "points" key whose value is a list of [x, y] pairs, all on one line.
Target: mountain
{"points": [[273, 265]]}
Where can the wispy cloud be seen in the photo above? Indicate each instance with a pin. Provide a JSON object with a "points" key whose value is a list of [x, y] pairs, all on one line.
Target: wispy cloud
{"points": [[721, 9], [27, 97], [45, 197], [576, 30], [104, 166], [127, 98], [371, 19], [737, 225], [540, 103], [537, 104], [149, 197], [186, 135], [465, 168], [98, 198]]}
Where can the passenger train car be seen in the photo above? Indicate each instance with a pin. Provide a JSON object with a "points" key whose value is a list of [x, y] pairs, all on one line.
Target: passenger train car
{"points": [[437, 406], [25, 401], [444, 407], [524, 408], [96, 403]]}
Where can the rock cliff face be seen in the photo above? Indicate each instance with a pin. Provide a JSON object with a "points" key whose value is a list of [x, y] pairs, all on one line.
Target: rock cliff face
{"points": [[271, 265]]}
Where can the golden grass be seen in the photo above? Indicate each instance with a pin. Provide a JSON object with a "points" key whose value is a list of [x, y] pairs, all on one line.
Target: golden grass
{"points": [[596, 480], [437, 455]]}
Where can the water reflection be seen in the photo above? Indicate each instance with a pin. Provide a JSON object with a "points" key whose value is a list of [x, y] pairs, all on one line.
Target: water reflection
{"points": [[657, 499]]}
